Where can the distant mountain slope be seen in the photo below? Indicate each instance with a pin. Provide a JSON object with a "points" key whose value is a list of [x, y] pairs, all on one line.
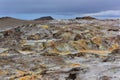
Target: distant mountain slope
{"points": [[44, 18], [12, 22], [86, 18]]}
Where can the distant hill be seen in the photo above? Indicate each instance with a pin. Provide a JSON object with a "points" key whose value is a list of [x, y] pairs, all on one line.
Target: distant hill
{"points": [[44, 18], [12, 22], [86, 18]]}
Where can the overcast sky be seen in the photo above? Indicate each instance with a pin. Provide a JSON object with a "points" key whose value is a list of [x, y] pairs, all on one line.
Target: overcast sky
{"points": [[30, 9]]}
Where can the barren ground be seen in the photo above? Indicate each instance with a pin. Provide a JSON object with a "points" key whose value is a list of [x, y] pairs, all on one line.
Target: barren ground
{"points": [[60, 50]]}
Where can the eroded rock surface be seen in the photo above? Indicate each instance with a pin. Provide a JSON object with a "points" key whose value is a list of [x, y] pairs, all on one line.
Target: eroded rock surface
{"points": [[61, 50]]}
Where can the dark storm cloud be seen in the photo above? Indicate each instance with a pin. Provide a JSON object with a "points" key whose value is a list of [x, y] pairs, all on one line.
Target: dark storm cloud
{"points": [[58, 6]]}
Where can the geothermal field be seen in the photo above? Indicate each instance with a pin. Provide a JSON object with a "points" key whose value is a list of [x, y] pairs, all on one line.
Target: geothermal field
{"points": [[50, 49]]}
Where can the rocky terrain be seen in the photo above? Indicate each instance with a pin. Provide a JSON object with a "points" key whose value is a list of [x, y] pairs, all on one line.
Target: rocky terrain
{"points": [[75, 49]]}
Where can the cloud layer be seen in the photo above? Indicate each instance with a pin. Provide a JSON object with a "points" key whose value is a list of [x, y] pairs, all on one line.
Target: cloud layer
{"points": [[60, 7], [108, 13]]}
